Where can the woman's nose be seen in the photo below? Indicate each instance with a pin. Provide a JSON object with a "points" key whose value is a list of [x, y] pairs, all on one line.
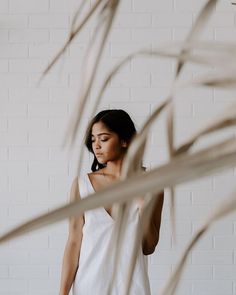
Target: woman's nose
{"points": [[97, 144]]}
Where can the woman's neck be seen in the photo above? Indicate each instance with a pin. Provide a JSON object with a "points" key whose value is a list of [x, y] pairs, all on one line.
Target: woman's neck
{"points": [[114, 168]]}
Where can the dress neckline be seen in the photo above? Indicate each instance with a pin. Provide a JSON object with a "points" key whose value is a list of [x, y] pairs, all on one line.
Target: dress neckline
{"points": [[92, 187]]}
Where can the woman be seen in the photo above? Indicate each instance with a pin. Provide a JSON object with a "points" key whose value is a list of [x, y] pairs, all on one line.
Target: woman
{"points": [[85, 262]]}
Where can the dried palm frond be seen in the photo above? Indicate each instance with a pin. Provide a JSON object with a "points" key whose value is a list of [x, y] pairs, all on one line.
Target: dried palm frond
{"points": [[181, 169], [73, 33], [224, 120], [183, 165], [198, 26], [221, 210]]}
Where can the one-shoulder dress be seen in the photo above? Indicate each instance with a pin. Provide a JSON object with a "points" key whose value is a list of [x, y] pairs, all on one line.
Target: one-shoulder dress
{"points": [[94, 265]]}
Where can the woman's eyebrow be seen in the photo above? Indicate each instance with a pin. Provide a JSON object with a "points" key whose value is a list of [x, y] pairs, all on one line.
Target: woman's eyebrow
{"points": [[102, 133]]}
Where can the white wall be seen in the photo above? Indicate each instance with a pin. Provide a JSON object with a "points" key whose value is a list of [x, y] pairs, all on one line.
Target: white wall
{"points": [[36, 173]]}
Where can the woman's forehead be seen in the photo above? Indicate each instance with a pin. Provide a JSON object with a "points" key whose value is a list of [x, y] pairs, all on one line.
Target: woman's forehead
{"points": [[99, 128]]}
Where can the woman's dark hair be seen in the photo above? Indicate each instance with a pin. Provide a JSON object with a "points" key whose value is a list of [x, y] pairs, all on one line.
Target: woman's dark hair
{"points": [[117, 121]]}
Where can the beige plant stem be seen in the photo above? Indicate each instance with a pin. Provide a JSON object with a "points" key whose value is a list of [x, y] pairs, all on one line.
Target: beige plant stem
{"points": [[224, 120], [132, 164], [181, 169], [193, 34], [221, 210], [72, 35], [198, 26], [171, 149], [91, 65]]}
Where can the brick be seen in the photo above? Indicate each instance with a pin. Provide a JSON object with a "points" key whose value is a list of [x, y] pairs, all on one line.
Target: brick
{"points": [[14, 21], [151, 36], [28, 272], [43, 51], [65, 6], [212, 257], [180, 34], [13, 109], [32, 241], [52, 138], [3, 154], [13, 138], [29, 36], [27, 65], [3, 124], [184, 5], [28, 6], [122, 50], [12, 257], [198, 272], [140, 109], [49, 80], [43, 286], [11, 286], [4, 36], [148, 94], [225, 34], [55, 272], [151, 64], [42, 257], [28, 153], [4, 66], [13, 168], [167, 258], [13, 80], [48, 21], [120, 35], [224, 272], [59, 183], [13, 51], [214, 287], [57, 241], [14, 198], [32, 124], [132, 79], [49, 109], [224, 6], [4, 6], [125, 6], [152, 6], [161, 80], [133, 20], [159, 272], [220, 20], [113, 94], [28, 94], [52, 168], [63, 95], [26, 183], [3, 272], [172, 19], [224, 243], [223, 95]]}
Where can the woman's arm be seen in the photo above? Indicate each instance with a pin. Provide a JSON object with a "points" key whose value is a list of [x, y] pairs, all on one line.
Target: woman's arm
{"points": [[72, 249], [151, 233]]}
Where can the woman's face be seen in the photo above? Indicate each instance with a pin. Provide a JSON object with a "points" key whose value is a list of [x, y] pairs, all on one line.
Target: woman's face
{"points": [[106, 144]]}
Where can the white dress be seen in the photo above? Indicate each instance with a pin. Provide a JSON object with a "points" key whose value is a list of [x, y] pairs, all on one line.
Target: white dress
{"points": [[95, 269]]}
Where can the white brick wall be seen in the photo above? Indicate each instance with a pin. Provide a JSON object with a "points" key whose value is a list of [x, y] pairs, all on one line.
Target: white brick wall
{"points": [[36, 173]]}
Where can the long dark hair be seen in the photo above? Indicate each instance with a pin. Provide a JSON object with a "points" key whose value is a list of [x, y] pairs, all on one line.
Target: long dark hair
{"points": [[117, 121]]}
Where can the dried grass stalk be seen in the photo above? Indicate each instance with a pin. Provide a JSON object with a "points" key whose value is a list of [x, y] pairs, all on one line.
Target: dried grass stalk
{"points": [[221, 210], [181, 169]]}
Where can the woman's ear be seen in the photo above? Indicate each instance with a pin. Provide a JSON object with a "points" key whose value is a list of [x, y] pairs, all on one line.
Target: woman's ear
{"points": [[124, 144]]}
